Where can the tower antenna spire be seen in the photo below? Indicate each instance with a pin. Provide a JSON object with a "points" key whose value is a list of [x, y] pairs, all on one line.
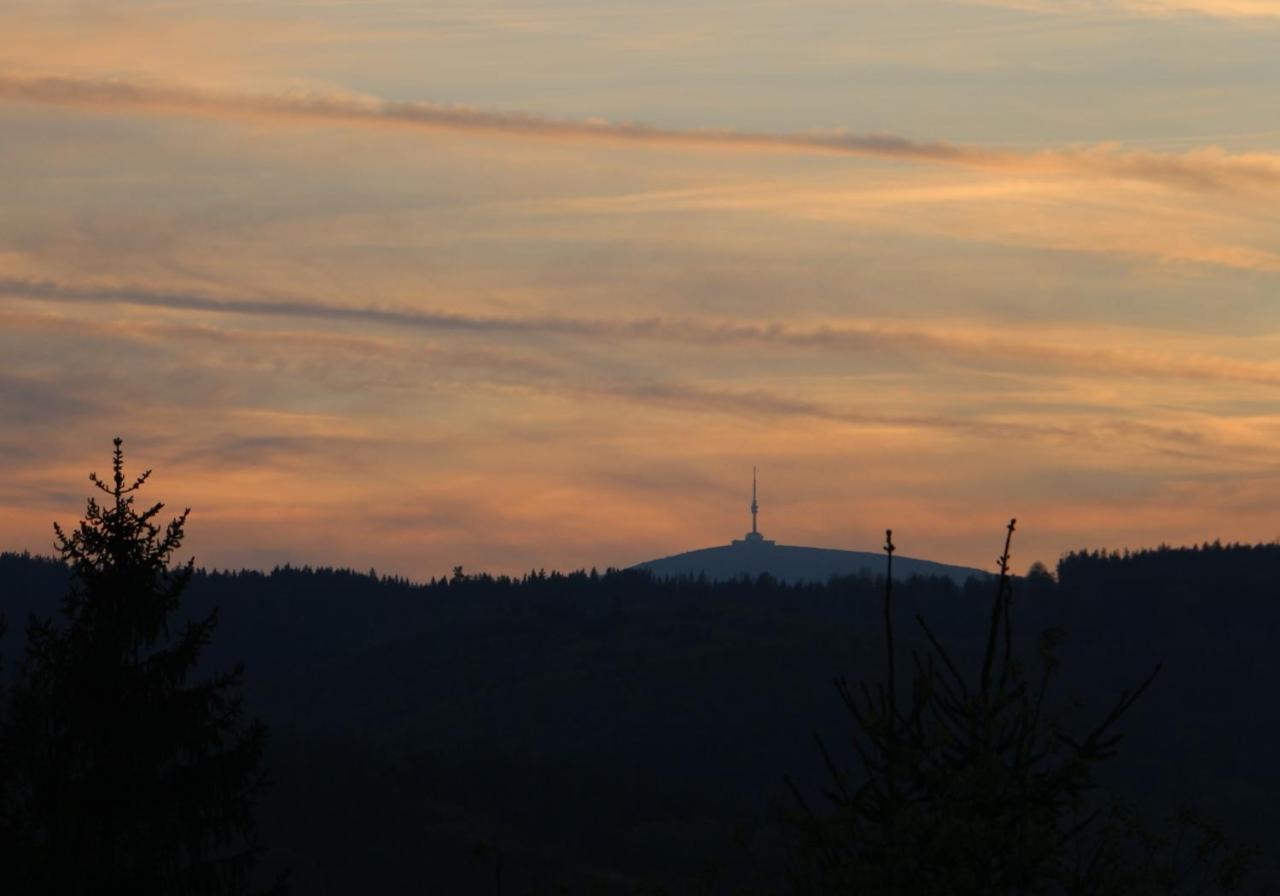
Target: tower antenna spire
{"points": [[755, 507], [753, 539]]}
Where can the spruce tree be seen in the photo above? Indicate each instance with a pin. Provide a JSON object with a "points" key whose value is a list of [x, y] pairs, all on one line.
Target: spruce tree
{"points": [[966, 785], [123, 774]]}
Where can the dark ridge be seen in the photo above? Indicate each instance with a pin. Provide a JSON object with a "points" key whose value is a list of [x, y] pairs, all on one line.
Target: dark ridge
{"points": [[626, 728]]}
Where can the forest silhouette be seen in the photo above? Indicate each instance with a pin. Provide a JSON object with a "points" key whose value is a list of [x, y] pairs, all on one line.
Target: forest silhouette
{"points": [[618, 733]]}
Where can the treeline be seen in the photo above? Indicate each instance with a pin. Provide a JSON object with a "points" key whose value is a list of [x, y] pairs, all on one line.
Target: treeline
{"points": [[1203, 573]]}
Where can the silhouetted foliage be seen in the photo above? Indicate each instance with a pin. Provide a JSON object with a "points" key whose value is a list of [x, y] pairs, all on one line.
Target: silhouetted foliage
{"points": [[1190, 856], [971, 786], [122, 776]]}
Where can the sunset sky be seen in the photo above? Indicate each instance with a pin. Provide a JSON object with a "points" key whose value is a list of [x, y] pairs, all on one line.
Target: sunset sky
{"points": [[515, 285]]}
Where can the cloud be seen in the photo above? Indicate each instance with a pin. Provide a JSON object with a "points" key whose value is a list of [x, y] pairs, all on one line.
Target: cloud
{"points": [[1201, 169], [1137, 221], [54, 292], [982, 348], [31, 400], [1226, 9], [602, 387], [1231, 9], [1094, 434]]}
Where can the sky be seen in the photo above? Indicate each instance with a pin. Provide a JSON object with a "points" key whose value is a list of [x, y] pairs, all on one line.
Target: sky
{"points": [[411, 285]]}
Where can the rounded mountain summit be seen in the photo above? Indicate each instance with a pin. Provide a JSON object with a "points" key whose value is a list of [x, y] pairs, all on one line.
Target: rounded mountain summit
{"points": [[754, 555]]}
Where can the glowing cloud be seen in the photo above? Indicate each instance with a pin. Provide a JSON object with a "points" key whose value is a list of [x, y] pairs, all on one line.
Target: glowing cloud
{"points": [[1227, 9], [1201, 169], [973, 346]]}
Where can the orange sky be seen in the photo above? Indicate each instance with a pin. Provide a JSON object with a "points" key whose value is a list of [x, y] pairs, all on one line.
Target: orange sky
{"points": [[536, 284]]}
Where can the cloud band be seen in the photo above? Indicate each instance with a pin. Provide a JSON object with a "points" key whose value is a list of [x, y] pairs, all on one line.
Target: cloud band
{"points": [[1202, 169]]}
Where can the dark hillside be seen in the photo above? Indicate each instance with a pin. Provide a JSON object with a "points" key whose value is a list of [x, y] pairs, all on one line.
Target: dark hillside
{"points": [[617, 727]]}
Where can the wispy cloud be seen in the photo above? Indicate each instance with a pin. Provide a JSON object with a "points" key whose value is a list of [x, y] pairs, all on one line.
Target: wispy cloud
{"points": [[1201, 169], [1129, 220], [1227, 9], [971, 346], [1232, 9], [1091, 434], [29, 400]]}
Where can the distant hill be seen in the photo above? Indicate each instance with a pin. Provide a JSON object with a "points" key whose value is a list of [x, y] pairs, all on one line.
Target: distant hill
{"points": [[753, 555], [792, 563]]}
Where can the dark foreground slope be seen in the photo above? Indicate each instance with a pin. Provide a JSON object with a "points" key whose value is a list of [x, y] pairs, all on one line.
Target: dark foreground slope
{"points": [[567, 729]]}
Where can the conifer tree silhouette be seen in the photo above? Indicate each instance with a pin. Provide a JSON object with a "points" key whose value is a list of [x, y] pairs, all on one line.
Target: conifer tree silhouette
{"points": [[966, 786], [122, 775]]}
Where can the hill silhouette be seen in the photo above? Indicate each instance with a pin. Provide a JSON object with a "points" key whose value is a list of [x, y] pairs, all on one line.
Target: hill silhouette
{"points": [[753, 556], [793, 563]]}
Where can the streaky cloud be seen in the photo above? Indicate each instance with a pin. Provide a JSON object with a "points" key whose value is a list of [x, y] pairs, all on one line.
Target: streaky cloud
{"points": [[1208, 168], [1226, 9], [982, 349], [762, 404]]}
